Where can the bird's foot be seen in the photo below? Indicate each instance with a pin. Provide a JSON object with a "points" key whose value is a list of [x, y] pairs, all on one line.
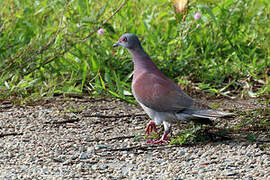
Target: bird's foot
{"points": [[162, 140], [151, 126]]}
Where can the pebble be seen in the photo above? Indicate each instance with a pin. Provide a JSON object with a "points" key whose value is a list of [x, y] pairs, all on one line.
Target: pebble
{"points": [[80, 150], [101, 146], [84, 155]]}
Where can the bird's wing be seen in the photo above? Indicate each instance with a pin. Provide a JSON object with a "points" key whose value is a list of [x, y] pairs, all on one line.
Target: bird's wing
{"points": [[160, 93]]}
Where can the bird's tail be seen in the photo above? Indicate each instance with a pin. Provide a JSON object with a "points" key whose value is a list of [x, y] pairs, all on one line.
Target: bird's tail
{"points": [[209, 113]]}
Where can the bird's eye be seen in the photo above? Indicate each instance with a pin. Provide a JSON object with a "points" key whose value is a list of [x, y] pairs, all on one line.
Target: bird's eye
{"points": [[124, 39]]}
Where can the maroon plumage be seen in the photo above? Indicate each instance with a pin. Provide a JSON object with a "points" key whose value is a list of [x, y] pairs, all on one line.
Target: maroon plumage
{"points": [[159, 96]]}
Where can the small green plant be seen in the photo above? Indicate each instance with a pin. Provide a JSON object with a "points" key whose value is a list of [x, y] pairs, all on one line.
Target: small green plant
{"points": [[153, 135], [254, 119], [251, 137], [58, 47], [191, 134], [73, 109], [137, 138]]}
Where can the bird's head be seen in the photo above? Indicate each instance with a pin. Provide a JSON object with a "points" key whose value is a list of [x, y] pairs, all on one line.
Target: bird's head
{"points": [[129, 41]]}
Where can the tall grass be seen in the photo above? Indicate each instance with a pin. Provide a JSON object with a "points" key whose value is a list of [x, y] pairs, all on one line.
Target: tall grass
{"points": [[48, 48]]}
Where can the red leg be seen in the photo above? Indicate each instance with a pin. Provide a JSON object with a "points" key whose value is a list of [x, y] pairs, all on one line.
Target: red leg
{"points": [[151, 126], [162, 140]]}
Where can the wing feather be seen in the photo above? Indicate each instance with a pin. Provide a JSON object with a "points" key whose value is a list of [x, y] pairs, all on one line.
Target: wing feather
{"points": [[160, 93]]}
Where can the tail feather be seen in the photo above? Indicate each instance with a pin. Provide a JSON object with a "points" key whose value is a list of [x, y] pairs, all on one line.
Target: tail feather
{"points": [[209, 113]]}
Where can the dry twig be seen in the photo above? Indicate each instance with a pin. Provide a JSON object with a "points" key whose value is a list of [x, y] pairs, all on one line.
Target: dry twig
{"points": [[143, 148], [10, 134], [112, 116]]}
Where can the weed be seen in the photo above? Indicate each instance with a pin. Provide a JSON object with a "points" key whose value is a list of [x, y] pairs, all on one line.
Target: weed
{"points": [[47, 47]]}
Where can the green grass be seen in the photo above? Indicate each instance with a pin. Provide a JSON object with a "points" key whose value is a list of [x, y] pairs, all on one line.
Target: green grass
{"points": [[252, 125], [47, 47]]}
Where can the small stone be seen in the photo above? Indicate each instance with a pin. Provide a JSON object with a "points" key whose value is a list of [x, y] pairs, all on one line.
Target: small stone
{"points": [[231, 174], [181, 153], [84, 155], [190, 159], [91, 149], [103, 166], [74, 157], [94, 167], [67, 162], [101, 146], [79, 166], [160, 161]]}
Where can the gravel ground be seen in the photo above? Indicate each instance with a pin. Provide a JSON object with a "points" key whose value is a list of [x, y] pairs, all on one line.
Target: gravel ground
{"points": [[61, 139]]}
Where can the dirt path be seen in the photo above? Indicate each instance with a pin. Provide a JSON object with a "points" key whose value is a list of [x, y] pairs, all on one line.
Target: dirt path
{"points": [[86, 138]]}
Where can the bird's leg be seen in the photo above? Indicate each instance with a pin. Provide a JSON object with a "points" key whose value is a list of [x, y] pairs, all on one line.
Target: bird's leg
{"points": [[167, 129], [151, 126]]}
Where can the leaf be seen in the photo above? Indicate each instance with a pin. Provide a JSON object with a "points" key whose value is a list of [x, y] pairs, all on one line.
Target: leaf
{"points": [[127, 93], [108, 79], [109, 28], [101, 12], [118, 84], [82, 4], [88, 20], [128, 77], [84, 68], [252, 94], [137, 138], [180, 5], [251, 138], [6, 84], [209, 11], [114, 94], [102, 82], [94, 64]]}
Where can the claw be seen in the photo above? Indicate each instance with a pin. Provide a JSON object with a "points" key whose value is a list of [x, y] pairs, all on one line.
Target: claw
{"points": [[151, 126], [162, 140], [158, 141]]}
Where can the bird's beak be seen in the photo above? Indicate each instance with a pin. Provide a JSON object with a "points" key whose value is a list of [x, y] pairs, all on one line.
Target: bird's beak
{"points": [[116, 44]]}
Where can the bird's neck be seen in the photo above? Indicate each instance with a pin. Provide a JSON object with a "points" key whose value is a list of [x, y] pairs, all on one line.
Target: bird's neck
{"points": [[142, 61]]}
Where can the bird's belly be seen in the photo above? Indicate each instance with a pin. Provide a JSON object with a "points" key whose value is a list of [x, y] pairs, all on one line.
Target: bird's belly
{"points": [[150, 112], [159, 117]]}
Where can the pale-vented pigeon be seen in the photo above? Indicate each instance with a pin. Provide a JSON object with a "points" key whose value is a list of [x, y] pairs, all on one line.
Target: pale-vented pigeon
{"points": [[159, 96]]}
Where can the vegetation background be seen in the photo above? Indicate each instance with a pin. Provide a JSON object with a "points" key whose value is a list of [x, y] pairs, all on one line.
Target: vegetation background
{"points": [[51, 47]]}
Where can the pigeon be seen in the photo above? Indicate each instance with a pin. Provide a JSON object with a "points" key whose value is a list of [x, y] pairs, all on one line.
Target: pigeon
{"points": [[161, 98]]}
